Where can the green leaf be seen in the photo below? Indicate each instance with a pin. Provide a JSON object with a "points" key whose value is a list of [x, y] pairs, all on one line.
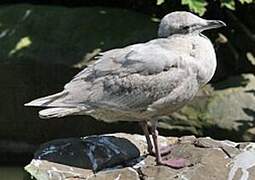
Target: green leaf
{"points": [[23, 43], [246, 1], [230, 4], [197, 6], [159, 2]]}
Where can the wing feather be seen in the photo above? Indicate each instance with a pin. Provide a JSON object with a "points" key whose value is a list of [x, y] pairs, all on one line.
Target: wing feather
{"points": [[133, 77]]}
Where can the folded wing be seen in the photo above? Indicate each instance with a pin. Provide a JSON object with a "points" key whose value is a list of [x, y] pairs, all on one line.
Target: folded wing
{"points": [[131, 78]]}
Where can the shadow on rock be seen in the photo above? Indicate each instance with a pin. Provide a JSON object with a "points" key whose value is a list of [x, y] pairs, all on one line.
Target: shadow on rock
{"points": [[252, 91], [237, 81], [93, 152], [245, 129]]}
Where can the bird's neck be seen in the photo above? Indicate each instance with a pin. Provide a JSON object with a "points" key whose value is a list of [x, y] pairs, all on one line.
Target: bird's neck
{"points": [[201, 51], [206, 56]]}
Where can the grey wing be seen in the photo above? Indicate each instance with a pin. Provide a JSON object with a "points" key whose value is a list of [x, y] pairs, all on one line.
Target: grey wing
{"points": [[134, 78], [137, 92], [130, 78], [143, 58]]}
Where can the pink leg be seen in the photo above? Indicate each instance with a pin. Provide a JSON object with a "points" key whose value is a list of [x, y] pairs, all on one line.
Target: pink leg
{"points": [[164, 150], [144, 126], [174, 163]]}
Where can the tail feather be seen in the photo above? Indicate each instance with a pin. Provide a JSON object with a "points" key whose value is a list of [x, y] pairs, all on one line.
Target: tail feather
{"points": [[57, 112], [49, 101]]}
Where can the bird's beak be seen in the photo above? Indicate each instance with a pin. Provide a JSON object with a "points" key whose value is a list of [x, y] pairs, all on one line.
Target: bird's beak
{"points": [[211, 24]]}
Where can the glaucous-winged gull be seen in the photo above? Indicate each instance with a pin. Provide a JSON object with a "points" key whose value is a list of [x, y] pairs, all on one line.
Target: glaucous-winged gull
{"points": [[142, 82]]}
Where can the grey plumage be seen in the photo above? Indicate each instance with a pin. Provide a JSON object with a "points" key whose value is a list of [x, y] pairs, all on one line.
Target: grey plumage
{"points": [[142, 81]]}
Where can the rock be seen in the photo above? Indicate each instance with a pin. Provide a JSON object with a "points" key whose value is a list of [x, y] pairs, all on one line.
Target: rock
{"points": [[157, 173], [43, 170], [93, 152], [221, 110], [124, 173], [208, 159], [215, 166], [245, 161], [207, 163]]}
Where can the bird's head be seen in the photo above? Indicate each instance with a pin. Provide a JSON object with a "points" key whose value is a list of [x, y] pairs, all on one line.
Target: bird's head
{"points": [[181, 22]]}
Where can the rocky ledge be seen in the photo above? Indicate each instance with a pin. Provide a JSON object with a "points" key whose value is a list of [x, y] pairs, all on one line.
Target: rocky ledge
{"points": [[124, 157]]}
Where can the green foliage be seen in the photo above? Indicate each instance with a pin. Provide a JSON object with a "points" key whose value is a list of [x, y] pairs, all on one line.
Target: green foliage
{"points": [[230, 4], [246, 1], [23, 43], [199, 6], [159, 2]]}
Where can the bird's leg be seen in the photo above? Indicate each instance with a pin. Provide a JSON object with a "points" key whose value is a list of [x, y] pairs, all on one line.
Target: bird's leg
{"points": [[154, 133], [144, 126], [164, 150], [174, 163]]}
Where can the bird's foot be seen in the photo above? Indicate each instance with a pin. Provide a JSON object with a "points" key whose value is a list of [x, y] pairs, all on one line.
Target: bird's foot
{"points": [[166, 149], [174, 163], [163, 150]]}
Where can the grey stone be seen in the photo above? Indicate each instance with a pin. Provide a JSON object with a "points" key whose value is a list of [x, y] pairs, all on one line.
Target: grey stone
{"points": [[213, 166], [157, 173], [124, 173], [93, 152], [188, 139], [207, 143], [230, 150], [44, 170]]}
